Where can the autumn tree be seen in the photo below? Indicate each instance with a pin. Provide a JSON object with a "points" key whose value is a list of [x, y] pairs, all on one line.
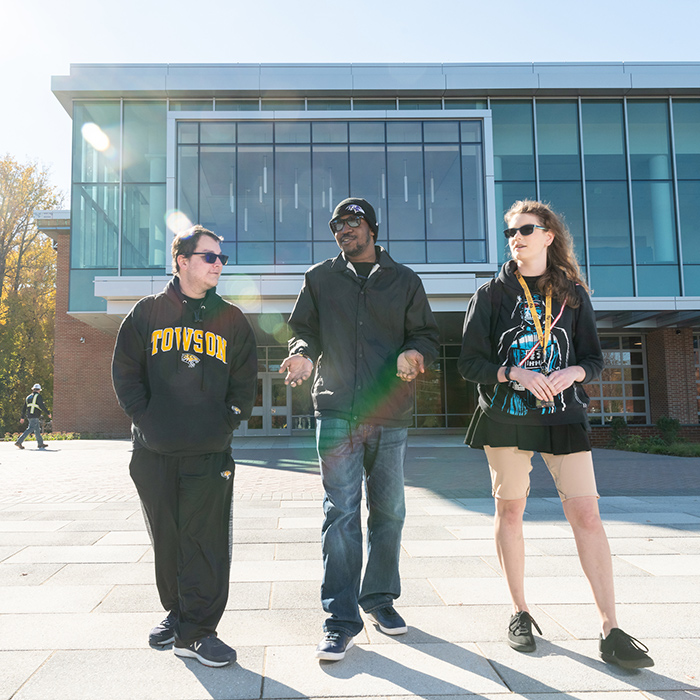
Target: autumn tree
{"points": [[27, 288]]}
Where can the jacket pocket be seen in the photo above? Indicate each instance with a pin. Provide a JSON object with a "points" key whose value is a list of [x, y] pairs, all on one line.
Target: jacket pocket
{"points": [[170, 426]]}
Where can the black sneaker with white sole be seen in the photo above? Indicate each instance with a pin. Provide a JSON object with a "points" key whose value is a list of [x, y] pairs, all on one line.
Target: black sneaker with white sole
{"points": [[625, 651], [389, 621], [333, 645], [209, 650], [520, 635], [163, 633]]}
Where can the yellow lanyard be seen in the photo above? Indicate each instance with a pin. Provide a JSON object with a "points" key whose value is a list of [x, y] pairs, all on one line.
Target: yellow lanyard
{"points": [[543, 337]]}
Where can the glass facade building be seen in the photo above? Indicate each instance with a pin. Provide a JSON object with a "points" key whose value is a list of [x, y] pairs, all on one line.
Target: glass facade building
{"points": [[262, 157]]}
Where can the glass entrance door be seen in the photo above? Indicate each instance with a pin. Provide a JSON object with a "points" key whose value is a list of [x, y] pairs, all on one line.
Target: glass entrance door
{"points": [[272, 409]]}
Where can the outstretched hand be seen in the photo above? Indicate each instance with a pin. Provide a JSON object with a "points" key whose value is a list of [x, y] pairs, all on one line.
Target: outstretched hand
{"points": [[409, 365]]}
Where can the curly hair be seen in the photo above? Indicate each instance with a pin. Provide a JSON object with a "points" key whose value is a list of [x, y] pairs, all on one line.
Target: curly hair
{"points": [[563, 272], [185, 243]]}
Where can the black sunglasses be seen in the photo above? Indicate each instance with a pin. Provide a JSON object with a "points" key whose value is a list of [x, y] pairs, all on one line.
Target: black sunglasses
{"points": [[211, 257], [337, 225], [524, 230]]}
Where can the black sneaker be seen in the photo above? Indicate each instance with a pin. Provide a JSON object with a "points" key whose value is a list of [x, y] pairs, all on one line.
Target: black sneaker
{"points": [[333, 645], [520, 635], [209, 650], [389, 621], [20, 445], [621, 649], [164, 633], [43, 447]]}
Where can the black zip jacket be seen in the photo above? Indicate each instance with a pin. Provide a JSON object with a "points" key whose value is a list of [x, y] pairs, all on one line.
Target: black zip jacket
{"points": [[186, 377], [356, 329], [490, 342], [34, 407]]}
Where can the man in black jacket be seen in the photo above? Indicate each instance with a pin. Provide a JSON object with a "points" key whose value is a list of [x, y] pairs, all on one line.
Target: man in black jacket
{"points": [[33, 407], [363, 321], [185, 371]]}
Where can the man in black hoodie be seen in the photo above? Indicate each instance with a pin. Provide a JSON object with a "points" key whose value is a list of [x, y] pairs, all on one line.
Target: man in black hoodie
{"points": [[185, 372]]}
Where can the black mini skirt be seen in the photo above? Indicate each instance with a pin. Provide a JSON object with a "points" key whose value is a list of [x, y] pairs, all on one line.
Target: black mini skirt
{"points": [[553, 439]]}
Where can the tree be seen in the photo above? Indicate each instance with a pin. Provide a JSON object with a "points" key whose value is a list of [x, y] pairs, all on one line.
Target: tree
{"points": [[27, 288]]}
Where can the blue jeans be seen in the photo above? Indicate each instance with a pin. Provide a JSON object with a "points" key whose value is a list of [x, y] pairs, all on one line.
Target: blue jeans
{"points": [[34, 426], [347, 453]]}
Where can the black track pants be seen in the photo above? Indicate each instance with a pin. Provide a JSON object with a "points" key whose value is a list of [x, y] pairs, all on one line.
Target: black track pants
{"points": [[187, 502]]}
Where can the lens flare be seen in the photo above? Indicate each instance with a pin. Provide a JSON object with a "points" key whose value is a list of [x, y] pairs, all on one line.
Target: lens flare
{"points": [[95, 136], [177, 221], [274, 324]]}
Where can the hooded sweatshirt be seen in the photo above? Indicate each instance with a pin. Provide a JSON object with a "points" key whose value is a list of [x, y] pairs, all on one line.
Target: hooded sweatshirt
{"points": [[185, 376], [491, 341]]}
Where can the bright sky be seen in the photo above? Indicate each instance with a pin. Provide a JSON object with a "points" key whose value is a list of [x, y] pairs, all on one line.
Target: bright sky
{"points": [[41, 38]]}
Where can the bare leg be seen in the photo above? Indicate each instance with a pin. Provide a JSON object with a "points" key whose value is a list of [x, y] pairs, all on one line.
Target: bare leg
{"points": [[510, 547], [594, 553]]}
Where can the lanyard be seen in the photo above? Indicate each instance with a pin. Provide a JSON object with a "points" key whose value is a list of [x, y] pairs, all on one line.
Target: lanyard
{"points": [[543, 337]]}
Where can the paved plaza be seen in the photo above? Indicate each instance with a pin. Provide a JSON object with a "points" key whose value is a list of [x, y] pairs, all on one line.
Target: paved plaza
{"points": [[77, 592]]}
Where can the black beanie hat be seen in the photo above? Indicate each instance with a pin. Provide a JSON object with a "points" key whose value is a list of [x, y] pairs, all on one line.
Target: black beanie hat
{"points": [[357, 205]]}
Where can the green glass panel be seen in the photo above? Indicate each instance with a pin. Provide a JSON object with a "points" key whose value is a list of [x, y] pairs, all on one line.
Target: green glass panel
{"points": [[466, 104], [420, 104], [686, 131], [237, 105], [217, 194], [649, 140], [689, 206], [658, 281], [144, 142], [566, 198], [95, 226], [96, 141], [297, 105], [604, 139], [81, 293], [293, 219], [292, 132], [558, 140], [328, 105], [330, 185], [513, 140], [608, 223], [654, 222], [191, 105], [329, 132], [143, 227], [218, 132], [368, 105]]}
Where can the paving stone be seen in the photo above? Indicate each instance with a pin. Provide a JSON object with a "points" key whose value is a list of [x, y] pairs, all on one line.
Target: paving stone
{"points": [[26, 574], [76, 574], [16, 667], [251, 536], [401, 669], [32, 525], [276, 570], [667, 564], [125, 537], [51, 599], [7, 551], [545, 566], [301, 523], [453, 548], [530, 530], [144, 598], [565, 666], [78, 555], [425, 567], [52, 539], [146, 674], [296, 550]]}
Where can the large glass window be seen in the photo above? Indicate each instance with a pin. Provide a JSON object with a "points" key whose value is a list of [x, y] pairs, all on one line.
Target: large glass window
{"points": [[652, 197], [95, 226], [686, 129], [270, 187], [622, 388]]}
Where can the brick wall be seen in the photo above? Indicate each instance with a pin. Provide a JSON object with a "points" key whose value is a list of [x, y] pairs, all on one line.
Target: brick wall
{"points": [[84, 400], [671, 372]]}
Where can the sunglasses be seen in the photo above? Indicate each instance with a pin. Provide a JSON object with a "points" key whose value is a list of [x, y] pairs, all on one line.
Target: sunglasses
{"points": [[524, 230], [212, 257], [337, 225]]}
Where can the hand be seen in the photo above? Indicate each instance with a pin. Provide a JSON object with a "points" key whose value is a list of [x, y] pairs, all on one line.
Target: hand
{"points": [[540, 385], [564, 378], [298, 369], [409, 365]]}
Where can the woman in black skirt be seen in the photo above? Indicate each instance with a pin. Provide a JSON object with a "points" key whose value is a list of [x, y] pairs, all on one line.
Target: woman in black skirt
{"points": [[530, 343]]}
